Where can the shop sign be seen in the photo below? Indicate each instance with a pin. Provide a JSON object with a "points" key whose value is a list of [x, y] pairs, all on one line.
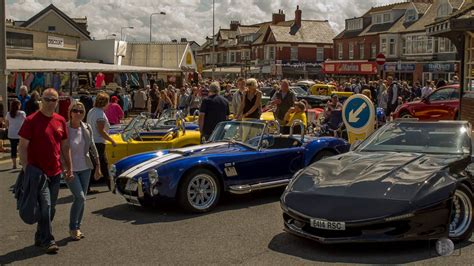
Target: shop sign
{"points": [[55, 42], [439, 68], [396, 67], [365, 68]]}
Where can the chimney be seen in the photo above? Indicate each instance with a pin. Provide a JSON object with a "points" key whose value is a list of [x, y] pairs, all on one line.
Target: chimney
{"points": [[234, 24], [298, 16], [184, 40], [278, 17]]}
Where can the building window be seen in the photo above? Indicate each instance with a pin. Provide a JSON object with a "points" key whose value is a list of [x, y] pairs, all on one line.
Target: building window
{"points": [[51, 28], [294, 54], [404, 46], [340, 51], [271, 53], [445, 46], [17, 40], [383, 46], [419, 44], [361, 51], [391, 47], [444, 10], [373, 50], [387, 18], [319, 54], [351, 50], [377, 18], [232, 57], [354, 24], [411, 15], [247, 54]]}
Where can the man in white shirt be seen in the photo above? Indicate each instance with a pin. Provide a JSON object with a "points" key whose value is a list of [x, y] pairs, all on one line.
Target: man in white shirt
{"points": [[426, 90]]}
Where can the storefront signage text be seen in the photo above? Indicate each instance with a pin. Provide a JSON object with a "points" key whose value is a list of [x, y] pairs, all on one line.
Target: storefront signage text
{"points": [[55, 42], [368, 68]]}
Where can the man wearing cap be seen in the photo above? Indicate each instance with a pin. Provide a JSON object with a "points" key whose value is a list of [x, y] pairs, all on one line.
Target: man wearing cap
{"points": [[214, 109]]}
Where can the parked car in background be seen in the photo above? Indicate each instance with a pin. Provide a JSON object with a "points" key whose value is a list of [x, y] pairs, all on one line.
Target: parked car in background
{"points": [[329, 90], [441, 104], [315, 101]]}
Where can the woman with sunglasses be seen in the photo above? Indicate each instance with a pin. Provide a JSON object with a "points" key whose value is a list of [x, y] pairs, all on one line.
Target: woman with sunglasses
{"points": [[82, 145]]}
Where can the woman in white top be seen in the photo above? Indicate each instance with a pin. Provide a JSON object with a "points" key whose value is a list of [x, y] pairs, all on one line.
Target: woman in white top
{"points": [[82, 151], [100, 125], [14, 120]]}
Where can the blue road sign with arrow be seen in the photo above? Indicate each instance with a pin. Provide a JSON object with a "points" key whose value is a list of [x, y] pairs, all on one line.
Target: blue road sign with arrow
{"points": [[358, 112]]}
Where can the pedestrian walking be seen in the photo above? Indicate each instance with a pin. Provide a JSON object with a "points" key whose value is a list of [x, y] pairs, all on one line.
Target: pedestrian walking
{"points": [[194, 101], [214, 109], [100, 125], [427, 89], [382, 96], [393, 94], [284, 100], [251, 106], [14, 121], [183, 100], [23, 97], [33, 103], [43, 137], [83, 151], [113, 111], [154, 96]]}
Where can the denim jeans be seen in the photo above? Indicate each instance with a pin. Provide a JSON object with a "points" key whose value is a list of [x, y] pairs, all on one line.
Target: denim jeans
{"points": [[47, 203], [78, 187]]}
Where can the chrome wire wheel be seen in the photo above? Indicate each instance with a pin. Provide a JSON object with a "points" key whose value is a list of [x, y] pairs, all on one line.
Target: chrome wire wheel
{"points": [[461, 214], [406, 115], [202, 191]]}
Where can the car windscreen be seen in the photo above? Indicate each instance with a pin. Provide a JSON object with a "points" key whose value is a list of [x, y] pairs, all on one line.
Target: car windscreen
{"points": [[244, 132], [436, 138], [299, 91]]}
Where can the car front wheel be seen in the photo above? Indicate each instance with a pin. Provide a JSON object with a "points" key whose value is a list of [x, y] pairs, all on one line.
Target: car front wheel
{"points": [[460, 222], [199, 191]]}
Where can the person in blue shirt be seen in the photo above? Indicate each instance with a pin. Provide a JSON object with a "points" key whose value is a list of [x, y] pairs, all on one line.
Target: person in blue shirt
{"points": [[23, 97]]}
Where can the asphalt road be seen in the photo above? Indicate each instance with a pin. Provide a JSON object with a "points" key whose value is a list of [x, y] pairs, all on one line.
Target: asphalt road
{"points": [[242, 230]]}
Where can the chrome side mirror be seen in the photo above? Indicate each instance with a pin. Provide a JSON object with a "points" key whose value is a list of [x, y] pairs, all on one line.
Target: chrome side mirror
{"points": [[302, 127]]}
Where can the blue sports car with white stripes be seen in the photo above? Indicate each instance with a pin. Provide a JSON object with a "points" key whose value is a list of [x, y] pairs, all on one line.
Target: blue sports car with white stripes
{"points": [[241, 157]]}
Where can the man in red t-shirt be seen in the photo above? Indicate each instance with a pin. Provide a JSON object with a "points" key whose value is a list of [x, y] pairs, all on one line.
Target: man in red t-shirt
{"points": [[43, 137]]}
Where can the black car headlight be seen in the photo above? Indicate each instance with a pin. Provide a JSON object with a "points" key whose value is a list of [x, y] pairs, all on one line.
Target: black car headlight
{"points": [[112, 171]]}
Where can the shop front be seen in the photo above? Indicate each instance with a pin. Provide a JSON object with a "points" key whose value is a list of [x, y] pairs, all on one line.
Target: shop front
{"points": [[344, 71], [401, 71], [440, 70]]}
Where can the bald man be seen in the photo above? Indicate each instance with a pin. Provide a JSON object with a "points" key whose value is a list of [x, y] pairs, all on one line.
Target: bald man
{"points": [[43, 137]]}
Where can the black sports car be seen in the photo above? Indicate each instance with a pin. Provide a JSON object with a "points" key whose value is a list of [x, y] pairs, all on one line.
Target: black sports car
{"points": [[408, 181]]}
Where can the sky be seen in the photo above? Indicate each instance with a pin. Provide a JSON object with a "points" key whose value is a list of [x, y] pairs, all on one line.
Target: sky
{"points": [[190, 19]]}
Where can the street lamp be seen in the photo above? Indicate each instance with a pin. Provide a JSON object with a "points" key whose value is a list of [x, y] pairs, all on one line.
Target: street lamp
{"points": [[113, 35], [121, 31], [213, 41], [161, 13]]}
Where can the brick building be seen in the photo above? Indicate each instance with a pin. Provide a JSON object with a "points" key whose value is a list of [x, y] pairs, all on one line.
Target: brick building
{"points": [[398, 32], [280, 47]]}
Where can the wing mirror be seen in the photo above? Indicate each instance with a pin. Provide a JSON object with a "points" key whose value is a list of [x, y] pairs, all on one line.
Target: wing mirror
{"points": [[355, 144]]}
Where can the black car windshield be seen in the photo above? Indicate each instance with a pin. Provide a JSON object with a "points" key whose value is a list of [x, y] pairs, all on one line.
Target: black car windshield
{"points": [[436, 138], [244, 132], [299, 91]]}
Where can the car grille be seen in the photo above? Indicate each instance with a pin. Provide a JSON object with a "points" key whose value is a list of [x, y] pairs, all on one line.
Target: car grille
{"points": [[122, 184]]}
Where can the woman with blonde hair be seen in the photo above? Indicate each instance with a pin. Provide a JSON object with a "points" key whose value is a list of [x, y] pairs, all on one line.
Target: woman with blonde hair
{"points": [[100, 125], [251, 106], [83, 151]]}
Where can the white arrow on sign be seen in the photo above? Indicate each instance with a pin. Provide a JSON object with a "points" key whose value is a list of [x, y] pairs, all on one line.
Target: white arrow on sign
{"points": [[354, 116]]}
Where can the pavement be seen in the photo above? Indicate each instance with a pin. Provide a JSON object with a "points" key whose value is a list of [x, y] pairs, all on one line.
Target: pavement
{"points": [[245, 229]]}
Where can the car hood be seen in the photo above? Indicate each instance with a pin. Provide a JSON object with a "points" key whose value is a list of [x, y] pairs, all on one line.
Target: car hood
{"points": [[150, 160], [363, 186], [390, 175]]}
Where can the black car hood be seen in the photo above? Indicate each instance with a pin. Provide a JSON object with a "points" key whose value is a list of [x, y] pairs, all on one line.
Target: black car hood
{"points": [[359, 185], [397, 176]]}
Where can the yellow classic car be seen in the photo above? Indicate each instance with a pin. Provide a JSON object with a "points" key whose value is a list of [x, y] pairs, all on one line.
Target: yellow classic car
{"points": [[328, 90], [144, 133]]}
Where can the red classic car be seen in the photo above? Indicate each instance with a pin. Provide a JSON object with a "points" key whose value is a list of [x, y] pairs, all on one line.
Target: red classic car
{"points": [[441, 104]]}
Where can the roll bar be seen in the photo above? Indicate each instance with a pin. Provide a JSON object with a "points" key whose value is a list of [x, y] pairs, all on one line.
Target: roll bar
{"points": [[298, 122]]}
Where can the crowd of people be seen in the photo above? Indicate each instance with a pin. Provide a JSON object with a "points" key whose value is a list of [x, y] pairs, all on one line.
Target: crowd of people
{"points": [[51, 146]]}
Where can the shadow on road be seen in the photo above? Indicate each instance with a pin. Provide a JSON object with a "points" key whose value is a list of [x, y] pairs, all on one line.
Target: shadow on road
{"points": [[373, 253], [28, 252], [170, 211]]}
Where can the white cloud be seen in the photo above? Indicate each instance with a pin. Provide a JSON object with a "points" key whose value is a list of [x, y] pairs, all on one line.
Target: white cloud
{"points": [[191, 19]]}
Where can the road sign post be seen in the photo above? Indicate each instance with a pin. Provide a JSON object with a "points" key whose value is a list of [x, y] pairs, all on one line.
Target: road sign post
{"points": [[358, 114]]}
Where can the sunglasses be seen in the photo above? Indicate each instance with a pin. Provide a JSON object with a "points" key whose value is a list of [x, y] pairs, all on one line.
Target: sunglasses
{"points": [[50, 99], [77, 111]]}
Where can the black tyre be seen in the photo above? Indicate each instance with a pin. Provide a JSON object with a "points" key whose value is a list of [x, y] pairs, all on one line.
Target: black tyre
{"points": [[460, 222], [200, 191], [322, 154]]}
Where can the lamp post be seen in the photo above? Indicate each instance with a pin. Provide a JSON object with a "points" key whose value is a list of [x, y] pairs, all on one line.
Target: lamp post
{"points": [[121, 31], [3, 58], [213, 41], [113, 35], [161, 13]]}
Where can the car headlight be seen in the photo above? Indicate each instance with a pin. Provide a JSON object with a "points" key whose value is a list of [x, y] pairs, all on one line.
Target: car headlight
{"points": [[112, 170], [153, 177]]}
